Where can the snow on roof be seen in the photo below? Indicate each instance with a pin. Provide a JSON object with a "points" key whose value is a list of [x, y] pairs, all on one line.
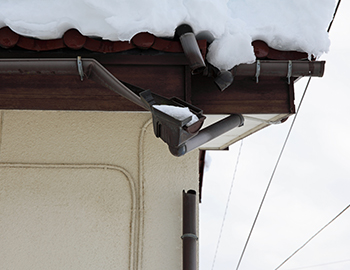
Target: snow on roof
{"points": [[232, 24]]}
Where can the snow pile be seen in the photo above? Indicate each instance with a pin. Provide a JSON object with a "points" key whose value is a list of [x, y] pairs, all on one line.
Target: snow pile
{"points": [[234, 24], [179, 113]]}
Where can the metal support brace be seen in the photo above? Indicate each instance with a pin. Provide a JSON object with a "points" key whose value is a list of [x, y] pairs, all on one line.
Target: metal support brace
{"points": [[289, 74], [257, 74], [80, 68]]}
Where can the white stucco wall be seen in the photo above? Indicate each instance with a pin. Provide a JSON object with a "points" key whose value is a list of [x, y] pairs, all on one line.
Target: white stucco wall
{"points": [[89, 190]]}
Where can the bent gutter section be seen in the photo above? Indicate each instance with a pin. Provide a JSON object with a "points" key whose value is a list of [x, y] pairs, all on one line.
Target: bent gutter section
{"points": [[91, 69]]}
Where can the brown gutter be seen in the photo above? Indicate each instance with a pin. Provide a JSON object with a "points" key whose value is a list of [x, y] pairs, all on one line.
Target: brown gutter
{"points": [[91, 69], [280, 68], [63, 66]]}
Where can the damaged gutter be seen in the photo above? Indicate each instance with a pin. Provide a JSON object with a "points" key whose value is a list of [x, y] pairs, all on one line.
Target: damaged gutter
{"points": [[180, 138]]}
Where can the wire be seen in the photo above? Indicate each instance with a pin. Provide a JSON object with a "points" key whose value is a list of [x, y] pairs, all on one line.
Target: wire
{"points": [[313, 236], [279, 157], [273, 173], [335, 13], [228, 201], [328, 30], [318, 265]]}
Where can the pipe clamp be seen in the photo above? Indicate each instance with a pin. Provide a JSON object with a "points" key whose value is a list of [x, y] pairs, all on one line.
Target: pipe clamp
{"points": [[189, 235]]}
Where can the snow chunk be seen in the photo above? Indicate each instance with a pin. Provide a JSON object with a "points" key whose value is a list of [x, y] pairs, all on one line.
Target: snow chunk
{"points": [[179, 113], [232, 48]]}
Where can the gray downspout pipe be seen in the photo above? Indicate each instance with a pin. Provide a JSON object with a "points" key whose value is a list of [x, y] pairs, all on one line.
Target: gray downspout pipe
{"points": [[189, 237], [191, 49], [209, 133]]}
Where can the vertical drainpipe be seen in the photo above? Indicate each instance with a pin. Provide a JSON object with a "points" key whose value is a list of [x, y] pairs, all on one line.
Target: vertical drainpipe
{"points": [[189, 237]]}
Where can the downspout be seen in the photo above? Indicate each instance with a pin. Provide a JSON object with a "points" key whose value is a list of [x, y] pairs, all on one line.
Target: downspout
{"points": [[191, 49], [207, 134], [189, 237]]}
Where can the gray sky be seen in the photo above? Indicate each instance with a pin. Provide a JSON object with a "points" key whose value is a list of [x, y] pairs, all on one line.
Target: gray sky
{"points": [[310, 187]]}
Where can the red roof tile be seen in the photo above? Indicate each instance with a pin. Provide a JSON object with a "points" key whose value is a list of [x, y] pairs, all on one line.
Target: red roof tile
{"points": [[73, 39]]}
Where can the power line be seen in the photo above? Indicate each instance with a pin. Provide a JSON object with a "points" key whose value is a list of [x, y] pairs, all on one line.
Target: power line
{"points": [[228, 201], [282, 150], [328, 30], [334, 14], [313, 236], [273, 173], [318, 265]]}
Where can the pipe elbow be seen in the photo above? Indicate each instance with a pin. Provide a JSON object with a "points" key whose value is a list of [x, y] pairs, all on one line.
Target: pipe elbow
{"points": [[178, 151]]}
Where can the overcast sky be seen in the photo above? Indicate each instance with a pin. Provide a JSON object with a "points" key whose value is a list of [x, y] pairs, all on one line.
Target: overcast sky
{"points": [[311, 185]]}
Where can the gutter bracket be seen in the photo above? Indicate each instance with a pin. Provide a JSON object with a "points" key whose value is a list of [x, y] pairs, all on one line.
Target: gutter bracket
{"points": [[289, 74], [80, 68], [257, 74]]}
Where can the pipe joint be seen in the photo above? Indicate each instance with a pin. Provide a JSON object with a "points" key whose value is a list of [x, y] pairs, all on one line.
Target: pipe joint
{"points": [[189, 235]]}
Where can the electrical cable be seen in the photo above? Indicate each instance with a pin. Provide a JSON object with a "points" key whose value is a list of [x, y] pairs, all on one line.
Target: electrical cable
{"points": [[227, 203], [313, 236], [273, 173], [274, 170], [329, 28], [335, 13], [318, 265]]}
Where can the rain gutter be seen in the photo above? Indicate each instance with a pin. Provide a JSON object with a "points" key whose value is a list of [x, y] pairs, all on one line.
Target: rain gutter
{"points": [[180, 139], [280, 68]]}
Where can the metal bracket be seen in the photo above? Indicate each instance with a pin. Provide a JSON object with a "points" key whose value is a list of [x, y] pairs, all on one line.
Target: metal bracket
{"points": [[189, 235], [257, 74], [289, 74], [80, 68]]}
